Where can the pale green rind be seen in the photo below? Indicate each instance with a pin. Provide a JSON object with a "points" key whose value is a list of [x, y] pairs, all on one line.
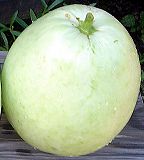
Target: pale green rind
{"points": [[67, 94]]}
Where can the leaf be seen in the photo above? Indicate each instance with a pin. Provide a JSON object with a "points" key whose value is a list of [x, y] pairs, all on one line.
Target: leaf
{"points": [[16, 33], [142, 19], [44, 4], [32, 15], [138, 28], [128, 20], [93, 4], [13, 18], [142, 61], [142, 37], [54, 4], [40, 14], [3, 49], [5, 40], [13, 35], [3, 30], [3, 26], [21, 22], [142, 76], [133, 29], [65, 4], [142, 15], [142, 31], [141, 57]]}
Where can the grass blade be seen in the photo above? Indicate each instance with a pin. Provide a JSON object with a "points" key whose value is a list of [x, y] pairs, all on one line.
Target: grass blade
{"points": [[5, 40], [3, 30], [54, 4], [21, 22], [142, 19], [3, 49], [13, 18], [3, 26], [142, 76], [44, 4], [13, 35], [65, 4], [16, 33], [93, 4], [142, 61], [32, 15]]}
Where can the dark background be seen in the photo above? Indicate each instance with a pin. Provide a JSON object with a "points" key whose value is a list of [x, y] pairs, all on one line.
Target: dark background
{"points": [[118, 8]]}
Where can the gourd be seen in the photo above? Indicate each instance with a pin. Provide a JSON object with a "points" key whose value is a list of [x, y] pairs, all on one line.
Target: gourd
{"points": [[71, 80]]}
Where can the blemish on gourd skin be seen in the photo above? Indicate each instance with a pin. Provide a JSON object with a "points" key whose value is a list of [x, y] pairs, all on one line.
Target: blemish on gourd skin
{"points": [[92, 47], [67, 16], [93, 84], [115, 41]]}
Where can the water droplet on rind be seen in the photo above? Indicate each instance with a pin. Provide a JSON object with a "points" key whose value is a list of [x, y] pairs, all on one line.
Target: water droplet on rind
{"points": [[106, 103]]}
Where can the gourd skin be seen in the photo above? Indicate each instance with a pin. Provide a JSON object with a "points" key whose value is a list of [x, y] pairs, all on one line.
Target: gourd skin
{"points": [[68, 93]]}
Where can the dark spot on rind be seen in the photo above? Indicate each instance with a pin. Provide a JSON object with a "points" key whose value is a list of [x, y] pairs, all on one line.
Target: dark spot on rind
{"points": [[93, 84], [67, 16], [115, 41]]}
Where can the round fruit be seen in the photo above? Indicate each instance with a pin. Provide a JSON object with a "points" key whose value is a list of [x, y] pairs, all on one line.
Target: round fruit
{"points": [[71, 80]]}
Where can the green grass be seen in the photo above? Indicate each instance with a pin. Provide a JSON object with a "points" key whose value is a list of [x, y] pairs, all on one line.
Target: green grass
{"points": [[9, 33]]}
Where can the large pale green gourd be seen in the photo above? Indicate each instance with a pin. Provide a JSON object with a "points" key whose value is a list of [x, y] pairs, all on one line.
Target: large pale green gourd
{"points": [[70, 83]]}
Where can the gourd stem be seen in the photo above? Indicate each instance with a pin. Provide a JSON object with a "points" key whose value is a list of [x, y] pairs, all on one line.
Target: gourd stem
{"points": [[86, 27]]}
